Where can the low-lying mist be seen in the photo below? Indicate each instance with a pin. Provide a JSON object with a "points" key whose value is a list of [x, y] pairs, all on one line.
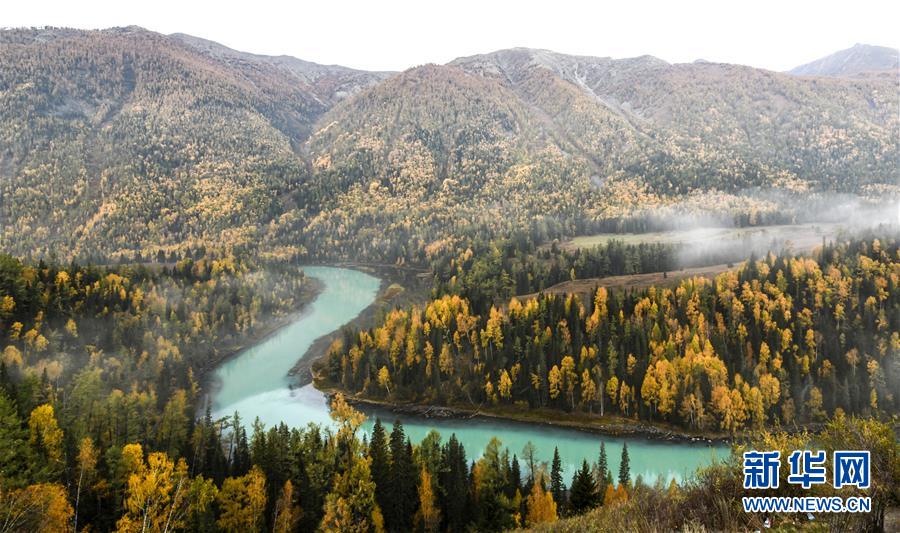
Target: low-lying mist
{"points": [[709, 239]]}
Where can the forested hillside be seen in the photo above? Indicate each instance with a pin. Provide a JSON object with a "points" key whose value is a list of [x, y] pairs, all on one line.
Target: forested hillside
{"points": [[783, 340], [99, 391], [557, 144], [139, 324], [99, 365], [138, 142], [705, 503], [708, 125]]}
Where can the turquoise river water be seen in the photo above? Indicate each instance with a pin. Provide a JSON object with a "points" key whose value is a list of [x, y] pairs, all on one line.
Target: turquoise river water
{"points": [[256, 384]]}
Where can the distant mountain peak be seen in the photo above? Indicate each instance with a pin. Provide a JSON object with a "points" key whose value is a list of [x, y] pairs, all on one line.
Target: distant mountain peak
{"points": [[859, 60], [550, 58]]}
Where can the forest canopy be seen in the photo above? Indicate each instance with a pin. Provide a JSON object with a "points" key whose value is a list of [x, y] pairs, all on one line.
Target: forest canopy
{"points": [[777, 341]]}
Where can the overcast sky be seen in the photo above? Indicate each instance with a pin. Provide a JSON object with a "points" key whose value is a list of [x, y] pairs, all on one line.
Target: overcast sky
{"points": [[381, 35]]}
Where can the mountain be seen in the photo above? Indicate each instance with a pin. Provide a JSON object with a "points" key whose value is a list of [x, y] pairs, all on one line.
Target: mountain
{"points": [[858, 61], [433, 153], [705, 125], [517, 137], [135, 141], [329, 83], [130, 139]]}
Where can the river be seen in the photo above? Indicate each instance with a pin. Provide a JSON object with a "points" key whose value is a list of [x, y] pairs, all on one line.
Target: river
{"points": [[256, 384]]}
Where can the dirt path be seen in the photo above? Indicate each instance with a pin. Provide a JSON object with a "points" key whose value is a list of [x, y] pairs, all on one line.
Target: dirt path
{"points": [[589, 285]]}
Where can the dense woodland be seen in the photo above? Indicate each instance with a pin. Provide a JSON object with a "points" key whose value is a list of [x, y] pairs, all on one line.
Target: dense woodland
{"points": [[777, 341], [97, 425], [305, 479], [487, 272], [136, 323], [99, 396]]}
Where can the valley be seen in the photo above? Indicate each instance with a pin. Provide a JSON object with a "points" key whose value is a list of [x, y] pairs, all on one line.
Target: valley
{"points": [[515, 290], [255, 384]]}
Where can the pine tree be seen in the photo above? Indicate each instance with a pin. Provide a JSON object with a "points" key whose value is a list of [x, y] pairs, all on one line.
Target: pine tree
{"points": [[212, 461], [454, 480], [603, 477], [624, 467], [515, 477], [403, 494], [557, 488], [240, 463], [381, 464], [584, 492], [15, 455], [6, 384]]}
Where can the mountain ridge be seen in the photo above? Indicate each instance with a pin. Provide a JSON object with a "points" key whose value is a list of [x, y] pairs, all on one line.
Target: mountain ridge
{"points": [[333, 82], [860, 60], [142, 141]]}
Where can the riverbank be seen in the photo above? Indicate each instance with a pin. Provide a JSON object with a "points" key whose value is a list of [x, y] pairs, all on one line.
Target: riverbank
{"points": [[613, 426], [609, 425], [308, 370], [269, 327], [302, 370], [254, 384], [400, 287]]}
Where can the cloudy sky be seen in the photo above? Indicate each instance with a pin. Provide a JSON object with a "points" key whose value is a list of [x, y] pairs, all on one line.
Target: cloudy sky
{"points": [[382, 35]]}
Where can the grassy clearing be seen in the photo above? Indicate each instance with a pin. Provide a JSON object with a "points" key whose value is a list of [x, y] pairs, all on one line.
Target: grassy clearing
{"points": [[394, 290], [587, 286]]}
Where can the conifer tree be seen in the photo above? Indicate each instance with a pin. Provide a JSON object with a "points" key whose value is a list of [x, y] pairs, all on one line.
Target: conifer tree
{"points": [[381, 464], [454, 482], [584, 492], [6, 384], [15, 455], [624, 467], [515, 476], [557, 488], [603, 476], [403, 493], [240, 462]]}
